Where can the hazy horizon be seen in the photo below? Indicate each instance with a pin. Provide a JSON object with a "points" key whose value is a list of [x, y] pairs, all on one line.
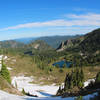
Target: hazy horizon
{"points": [[41, 37]]}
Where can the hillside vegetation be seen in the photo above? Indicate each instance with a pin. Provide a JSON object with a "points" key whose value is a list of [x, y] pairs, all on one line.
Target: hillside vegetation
{"points": [[85, 50], [4, 85]]}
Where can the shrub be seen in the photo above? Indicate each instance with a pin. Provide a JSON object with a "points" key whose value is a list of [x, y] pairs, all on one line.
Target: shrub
{"points": [[61, 70], [23, 91], [80, 85]]}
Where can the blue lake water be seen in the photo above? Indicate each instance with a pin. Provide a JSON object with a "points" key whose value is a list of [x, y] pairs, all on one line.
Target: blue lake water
{"points": [[61, 63]]}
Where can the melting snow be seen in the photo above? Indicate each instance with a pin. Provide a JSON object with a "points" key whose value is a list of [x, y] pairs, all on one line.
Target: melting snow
{"points": [[9, 68], [5, 57], [22, 82], [88, 82], [7, 96]]}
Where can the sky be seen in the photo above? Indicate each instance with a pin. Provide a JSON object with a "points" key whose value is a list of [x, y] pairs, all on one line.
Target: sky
{"points": [[35, 18]]}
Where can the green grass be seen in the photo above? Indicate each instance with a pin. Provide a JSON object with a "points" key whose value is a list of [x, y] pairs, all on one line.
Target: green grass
{"points": [[4, 84], [24, 65]]}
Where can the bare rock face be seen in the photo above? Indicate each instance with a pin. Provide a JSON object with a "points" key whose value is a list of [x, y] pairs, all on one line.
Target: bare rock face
{"points": [[61, 47], [39, 45], [36, 46], [65, 45]]}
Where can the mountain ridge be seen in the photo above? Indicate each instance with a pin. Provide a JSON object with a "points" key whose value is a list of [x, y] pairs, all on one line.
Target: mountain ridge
{"points": [[89, 42], [53, 41]]}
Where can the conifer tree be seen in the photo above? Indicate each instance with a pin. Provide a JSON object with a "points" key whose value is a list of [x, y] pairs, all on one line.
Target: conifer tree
{"points": [[76, 78], [5, 73], [98, 78], [82, 75]]}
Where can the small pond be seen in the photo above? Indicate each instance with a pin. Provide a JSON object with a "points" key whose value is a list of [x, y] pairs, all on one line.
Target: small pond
{"points": [[62, 63]]}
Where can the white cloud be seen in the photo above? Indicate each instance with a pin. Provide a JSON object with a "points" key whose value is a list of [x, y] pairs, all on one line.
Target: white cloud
{"points": [[89, 19], [89, 16], [39, 24]]}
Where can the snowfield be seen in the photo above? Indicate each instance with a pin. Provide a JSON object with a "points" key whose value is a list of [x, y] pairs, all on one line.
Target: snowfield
{"points": [[7, 96], [43, 92], [22, 82]]}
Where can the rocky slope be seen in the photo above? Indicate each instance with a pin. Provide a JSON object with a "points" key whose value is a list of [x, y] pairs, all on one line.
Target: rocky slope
{"points": [[88, 43], [39, 45]]}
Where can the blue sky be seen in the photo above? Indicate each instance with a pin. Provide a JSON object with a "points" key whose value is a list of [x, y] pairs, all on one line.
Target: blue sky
{"points": [[33, 18]]}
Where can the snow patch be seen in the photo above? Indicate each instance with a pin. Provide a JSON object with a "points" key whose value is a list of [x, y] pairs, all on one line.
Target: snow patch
{"points": [[88, 82], [2, 57], [5, 57], [14, 60], [7, 96], [9, 68], [22, 82]]}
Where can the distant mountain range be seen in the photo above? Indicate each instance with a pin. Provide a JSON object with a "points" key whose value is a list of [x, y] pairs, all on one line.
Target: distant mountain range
{"points": [[53, 41], [47, 41], [26, 40], [11, 44], [89, 42]]}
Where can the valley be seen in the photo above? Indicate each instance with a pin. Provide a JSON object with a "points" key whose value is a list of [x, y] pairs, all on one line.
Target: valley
{"points": [[41, 73], [50, 50]]}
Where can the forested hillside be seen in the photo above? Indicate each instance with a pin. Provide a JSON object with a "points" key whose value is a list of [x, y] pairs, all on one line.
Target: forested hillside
{"points": [[84, 50]]}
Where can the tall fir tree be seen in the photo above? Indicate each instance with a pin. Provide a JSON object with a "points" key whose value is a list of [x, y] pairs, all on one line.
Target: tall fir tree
{"points": [[5, 73]]}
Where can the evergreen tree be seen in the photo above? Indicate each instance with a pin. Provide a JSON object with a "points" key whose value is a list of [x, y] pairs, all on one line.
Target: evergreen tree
{"points": [[76, 78], [59, 91], [82, 75], [66, 85], [98, 78], [5, 73]]}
